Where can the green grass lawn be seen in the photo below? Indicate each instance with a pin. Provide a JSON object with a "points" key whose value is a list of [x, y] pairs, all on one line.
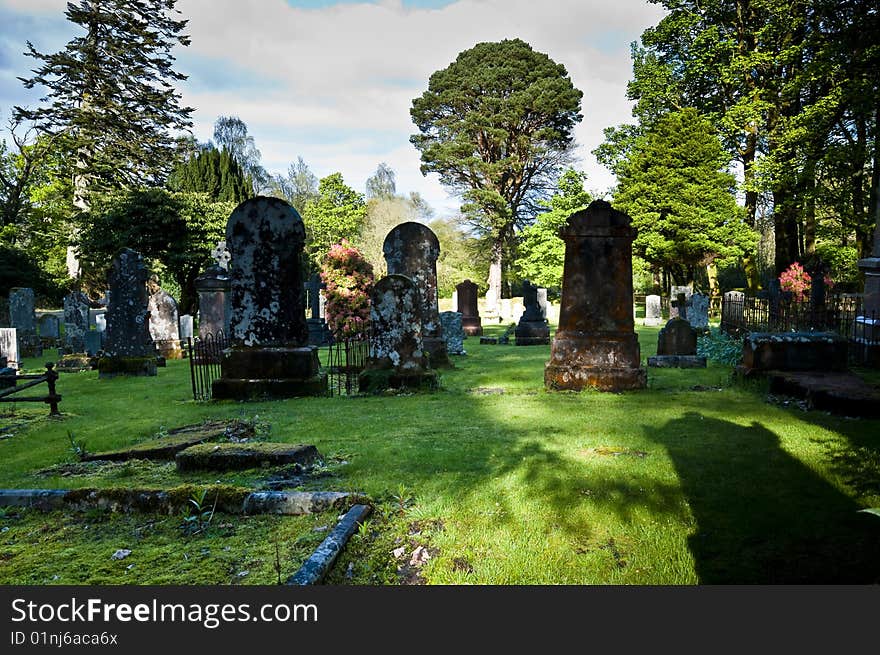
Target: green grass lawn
{"points": [[694, 480]]}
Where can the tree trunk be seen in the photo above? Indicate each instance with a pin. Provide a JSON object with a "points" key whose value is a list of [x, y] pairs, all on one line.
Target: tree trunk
{"points": [[493, 294]]}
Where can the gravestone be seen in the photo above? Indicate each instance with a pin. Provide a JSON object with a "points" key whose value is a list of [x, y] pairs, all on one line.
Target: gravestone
{"points": [[214, 289], [453, 332], [129, 348], [542, 301], [652, 310], [532, 329], [412, 249], [732, 311], [596, 344], [186, 327], [677, 346], [164, 321], [93, 343], [9, 347], [467, 306], [397, 356], [50, 328], [319, 332], [674, 292], [76, 321], [22, 316], [270, 355], [698, 313]]}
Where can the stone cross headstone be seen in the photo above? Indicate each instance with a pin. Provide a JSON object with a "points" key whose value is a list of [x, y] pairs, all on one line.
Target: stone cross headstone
{"points": [[412, 249], [674, 293], [129, 347], [453, 332], [652, 310], [22, 316], [532, 329], [596, 344], [164, 321], [76, 321], [467, 306], [9, 347], [50, 327], [221, 255], [397, 356], [698, 314], [270, 355], [679, 306]]}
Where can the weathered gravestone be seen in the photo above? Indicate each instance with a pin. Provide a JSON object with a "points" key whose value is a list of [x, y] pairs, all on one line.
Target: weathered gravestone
{"points": [[270, 355], [652, 310], [50, 329], [164, 321], [596, 344], [9, 347], [129, 348], [22, 316], [677, 346], [397, 356], [186, 327], [467, 306], [698, 312], [412, 249], [453, 332], [76, 321], [532, 328], [214, 289], [319, 332]]}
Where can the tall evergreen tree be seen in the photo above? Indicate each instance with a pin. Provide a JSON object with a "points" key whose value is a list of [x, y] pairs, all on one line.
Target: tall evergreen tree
{"points": [[231, 133], [111, 90], [214, 172]]}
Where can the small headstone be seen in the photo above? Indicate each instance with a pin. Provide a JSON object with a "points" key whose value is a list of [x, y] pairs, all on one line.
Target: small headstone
{"points": [[9, 347], [92, 342], [100, 322], [129, 347], [319, 332], [677, 346], [412, 249], [453, 332], [397, 355], [532, 328], [698, 313], [164, 321], [186, 327], [466, 296], [652, 310], [49, 327]]}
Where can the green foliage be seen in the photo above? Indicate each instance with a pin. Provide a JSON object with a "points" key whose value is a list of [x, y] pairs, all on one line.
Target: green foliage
{"points": [[720, 347], [299, 187], [675, 187], [214, 172], [541, 251], [174, 231], [77, 446], [231, 134], [462, 257], [337, 213], [198, 516], [349, 279], [381, 184]]}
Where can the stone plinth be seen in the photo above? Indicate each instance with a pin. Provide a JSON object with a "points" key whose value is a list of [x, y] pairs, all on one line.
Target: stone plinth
{"points": [[794, 351], [270, 372], [466, 296], [596, 344]]}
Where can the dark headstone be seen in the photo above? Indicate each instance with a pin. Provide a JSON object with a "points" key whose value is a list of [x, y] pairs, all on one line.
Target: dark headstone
{"points": [[532, 328], [129, 348], [674, 293], [215, 301], [467, 306], [397, 356], [677, 346], [22, 316], [270, 355], [164, 321], [596, 344], [319, 332], [412, 249], [50, 327], [92, 342]]}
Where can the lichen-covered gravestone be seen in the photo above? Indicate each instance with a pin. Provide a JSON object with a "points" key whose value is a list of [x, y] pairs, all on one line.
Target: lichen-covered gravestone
{"points": [[412, 249], [453, 332], [397, 357], [215, 301], [270, 355], [698, 313], [596, 344], [164, 321], [532, 329], [50, 329], [22, 316], [466, 297], [129, 348]]}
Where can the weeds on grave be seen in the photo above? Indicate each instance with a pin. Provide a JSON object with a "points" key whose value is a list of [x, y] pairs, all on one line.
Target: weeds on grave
{"points": [[402, 499], [198, 517], [77, 447], [720, 347]]}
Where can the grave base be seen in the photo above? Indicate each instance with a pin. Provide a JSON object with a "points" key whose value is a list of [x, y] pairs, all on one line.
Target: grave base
{"points": [[607, 361], [471, 326], [532, 333], [111, 367], [169, 349], [435, 348], [374, 380], [250, 373], [677, 361], [572, 378]]}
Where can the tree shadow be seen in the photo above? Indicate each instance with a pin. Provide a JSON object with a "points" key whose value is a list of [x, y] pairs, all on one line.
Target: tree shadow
{"points": [[747, 497]]}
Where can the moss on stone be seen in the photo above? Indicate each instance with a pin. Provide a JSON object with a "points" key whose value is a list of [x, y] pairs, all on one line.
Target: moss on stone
{"points": [[230, 456]]}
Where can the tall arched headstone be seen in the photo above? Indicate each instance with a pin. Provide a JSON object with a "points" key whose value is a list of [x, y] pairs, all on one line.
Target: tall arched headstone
{"points": [[467, 306], [412, 249], [164, 321], [270, 355], [596, 344]]}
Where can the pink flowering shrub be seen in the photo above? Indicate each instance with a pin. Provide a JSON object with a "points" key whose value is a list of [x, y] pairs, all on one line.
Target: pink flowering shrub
{"points": [[349, 279], [796, 279]]}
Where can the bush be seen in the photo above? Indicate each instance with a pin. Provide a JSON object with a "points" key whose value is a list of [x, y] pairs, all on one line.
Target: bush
{"points": [[349, 280], [720, 347]]}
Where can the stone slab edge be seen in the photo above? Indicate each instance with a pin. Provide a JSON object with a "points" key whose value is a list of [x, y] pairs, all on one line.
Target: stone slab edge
{"points": [[288, 503], [316, 566]]}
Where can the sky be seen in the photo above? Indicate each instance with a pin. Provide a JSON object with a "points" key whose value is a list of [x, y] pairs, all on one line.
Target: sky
{"points": [[333, 82]]}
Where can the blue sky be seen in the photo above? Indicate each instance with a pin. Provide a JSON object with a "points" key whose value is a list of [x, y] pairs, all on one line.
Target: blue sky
{"points": [[332, 82]]}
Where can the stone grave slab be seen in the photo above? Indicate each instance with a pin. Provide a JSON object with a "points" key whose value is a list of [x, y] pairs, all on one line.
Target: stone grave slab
{"points": [[233, 457]]}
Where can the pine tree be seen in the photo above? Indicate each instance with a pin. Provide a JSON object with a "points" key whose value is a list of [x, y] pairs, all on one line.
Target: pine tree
{"points": [[214, 172], [111, 91]]}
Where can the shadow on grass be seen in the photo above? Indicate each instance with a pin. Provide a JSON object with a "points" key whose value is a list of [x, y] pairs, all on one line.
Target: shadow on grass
{"points": [[748, 498]]}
